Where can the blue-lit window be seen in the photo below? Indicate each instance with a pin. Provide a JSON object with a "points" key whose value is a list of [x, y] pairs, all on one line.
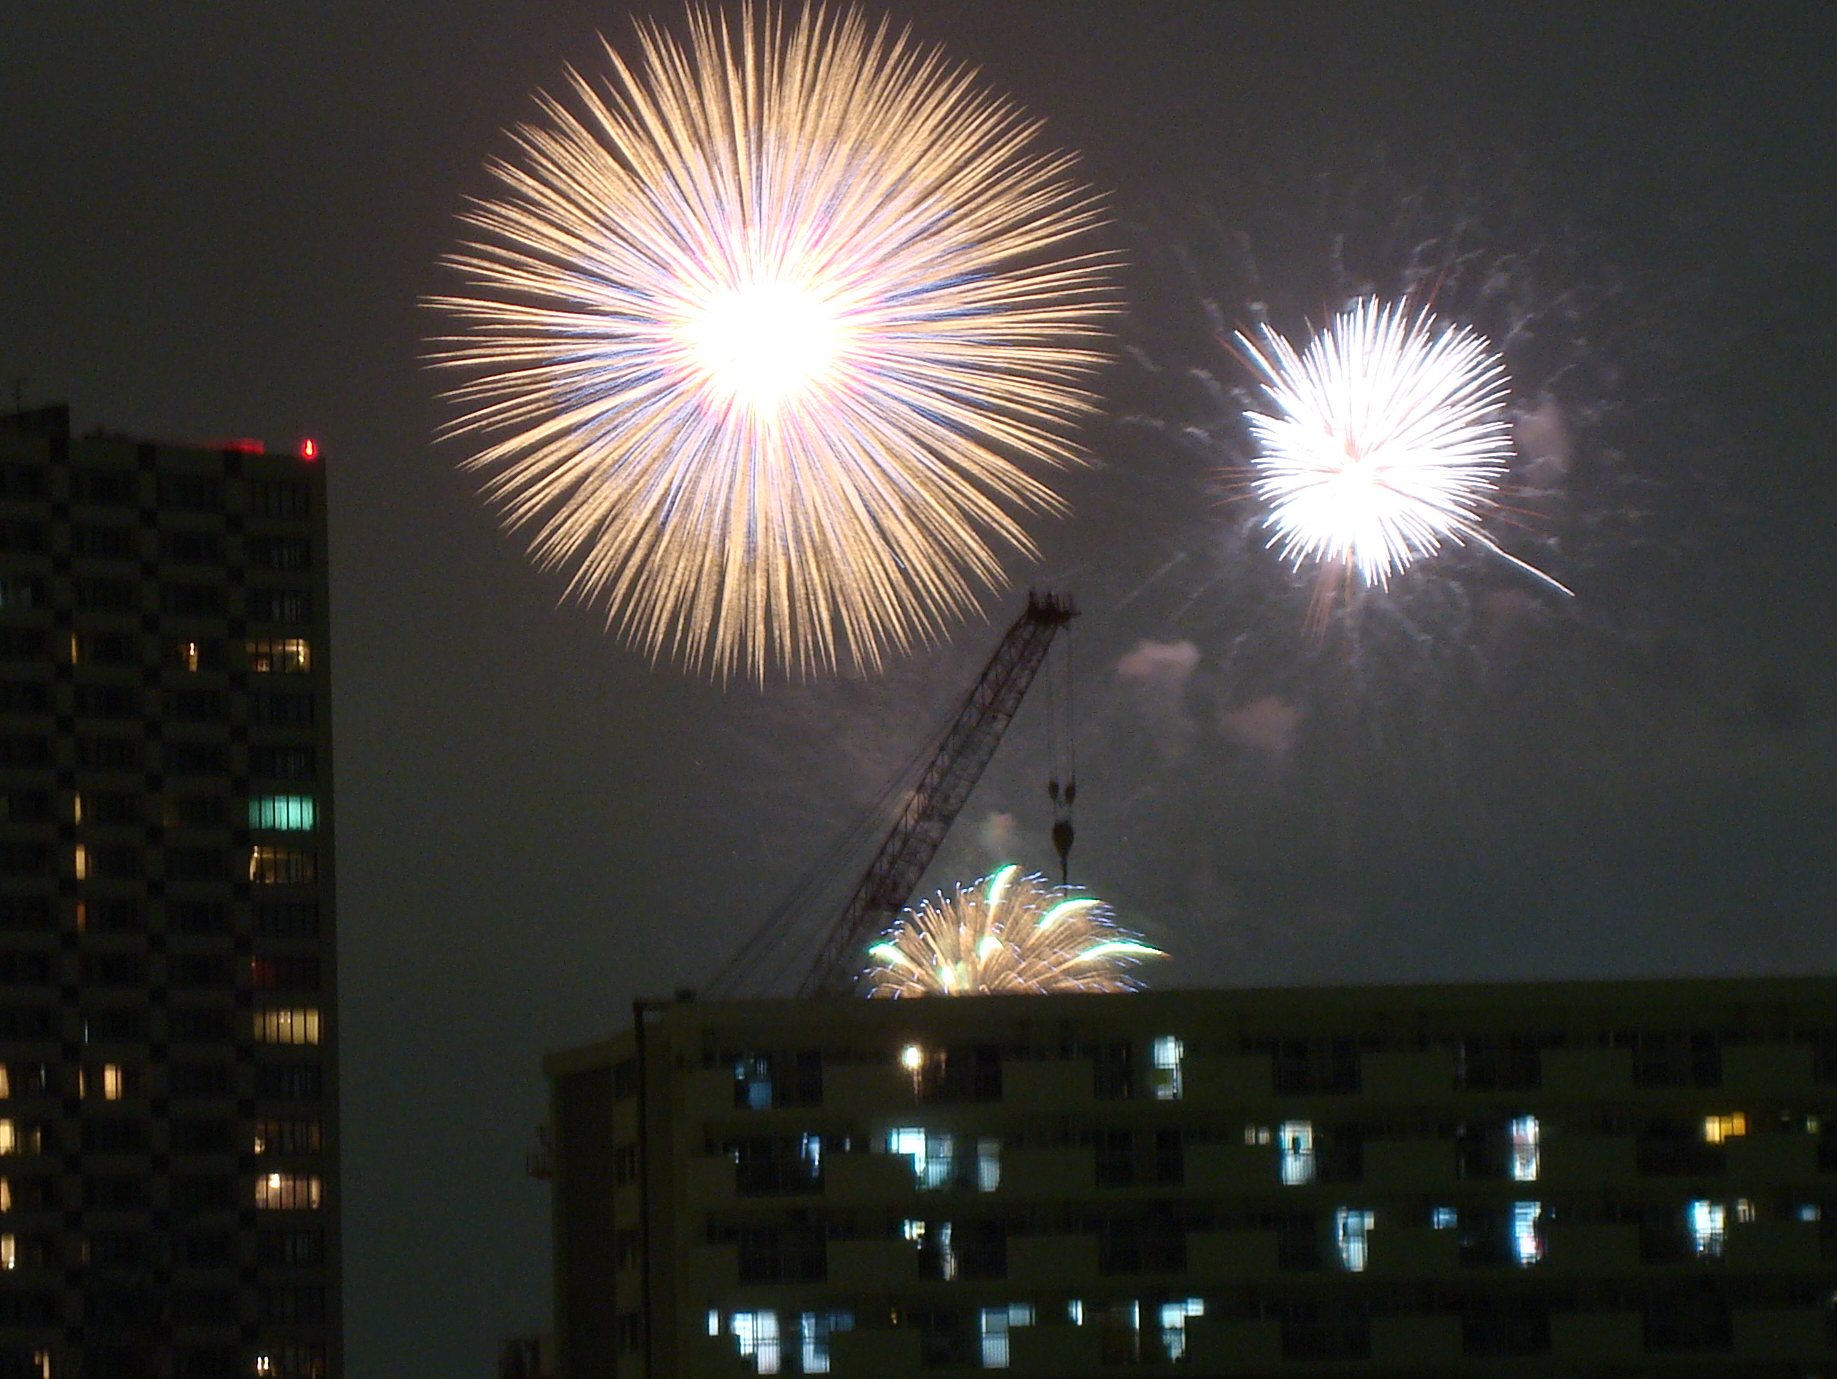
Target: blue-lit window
{"points": [[1443, 1218], [1527, 1232], [996, 1322], [1352, 1229], [1708, 1227], [813, 1332], [297, 813], [1173, 1325], [988, 1165], [1525, 1155], [753, 1083], [1169, 1052], [932, 1155], [756, 1338], [1297, 1140]]}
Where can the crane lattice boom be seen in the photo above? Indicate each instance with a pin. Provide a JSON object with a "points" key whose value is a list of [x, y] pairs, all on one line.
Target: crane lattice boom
{"points": [[962, 755]]}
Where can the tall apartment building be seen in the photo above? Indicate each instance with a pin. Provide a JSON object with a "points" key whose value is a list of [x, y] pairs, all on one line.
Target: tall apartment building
{"points": [[1629, 1178], [168, 1079]]}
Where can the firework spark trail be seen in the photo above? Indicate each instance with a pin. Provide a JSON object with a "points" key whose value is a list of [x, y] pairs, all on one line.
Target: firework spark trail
{"points": [[1387, 438], [765, 341], [1005, 933]]}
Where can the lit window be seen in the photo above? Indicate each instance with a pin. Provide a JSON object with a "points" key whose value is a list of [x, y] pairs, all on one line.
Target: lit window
{"points": [[299, 1025], [82, 916], [1808, 1211], [76, 808], [753, 1083], [1716, 1129], [1443, 1218], [1352, 1229], [994, 1338], [6, 1083], [1297, 1140], [80, 863], [1173, 1325], [188, 655], [912, 1058], [1168, 1052], [41, 1361], [9, 1137], [294, 813], [1527, 1232], [1074, 1311], [280, 656], [756, 1338], [931, 1154], [111, 1082], [281, 866], [9, 1251], [1708, 1224], [714, 1321], [288, 1192], [1524, 1163], [988, 1165], [1744, 1210], [1257, 1134], [813, 1332], [264, 1364], [6, 1195]]}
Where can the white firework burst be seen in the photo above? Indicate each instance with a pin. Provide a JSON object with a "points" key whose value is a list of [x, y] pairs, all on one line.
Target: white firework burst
{"points": [[770, 335], [1387, 437], [1006, 933]]}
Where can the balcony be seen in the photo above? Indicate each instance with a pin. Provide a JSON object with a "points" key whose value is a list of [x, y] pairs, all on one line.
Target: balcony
{"points": [[1246, 1080], [1587, 1074], [1051, 1261], [1059, 1349], [1768, 1070], [1774, 1247], [1586, 1161], [1231, 1167], [1597, 1336], [1420, 1340], [1795, 1336], [1409, 1165], [1059, 1085], [1412, 1252], [1047, 1174], [1408, 1078], [1218, 1345], [1217, 1258], [881, 1264], [1590, 1250], [864, 1179]]}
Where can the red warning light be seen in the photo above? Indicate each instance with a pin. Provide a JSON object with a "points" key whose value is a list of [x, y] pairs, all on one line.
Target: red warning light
{"points": [[309, 449]]}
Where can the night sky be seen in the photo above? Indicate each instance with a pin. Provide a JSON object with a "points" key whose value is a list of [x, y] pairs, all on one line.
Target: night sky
{"points": [[216, 219]]}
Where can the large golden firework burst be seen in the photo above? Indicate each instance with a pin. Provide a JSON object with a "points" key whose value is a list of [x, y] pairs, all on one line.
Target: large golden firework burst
{"points": [[766, 338], [1005, 933]]}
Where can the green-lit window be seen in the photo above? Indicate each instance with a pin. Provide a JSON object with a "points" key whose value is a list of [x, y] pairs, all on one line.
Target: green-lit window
{"points": [[295, 812]]}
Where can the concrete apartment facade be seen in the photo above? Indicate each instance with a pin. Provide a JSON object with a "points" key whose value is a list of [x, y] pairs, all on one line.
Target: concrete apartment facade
{"points": [[168, 1076], [1625, 1178]]}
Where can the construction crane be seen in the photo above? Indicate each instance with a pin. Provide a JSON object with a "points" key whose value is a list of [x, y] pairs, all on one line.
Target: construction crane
{"points": [[958, 763]]}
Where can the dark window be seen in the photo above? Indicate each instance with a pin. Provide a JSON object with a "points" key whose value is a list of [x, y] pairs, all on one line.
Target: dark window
{"points": [[277, 709], [281, 552], [283, 763], [191, 492], [105, 543], [197, 758], [280, 605], [98, 595], [287, 500], [192, 600], [192, 547], [289, 1081]]}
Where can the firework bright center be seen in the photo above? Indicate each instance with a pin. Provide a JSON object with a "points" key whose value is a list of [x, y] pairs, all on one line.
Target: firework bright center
{"points": [[765, 345]]}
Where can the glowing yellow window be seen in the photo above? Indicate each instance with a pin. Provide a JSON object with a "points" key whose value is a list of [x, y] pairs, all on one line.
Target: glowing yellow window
{"points": [[9, 1137], [80, 863], [298, 1025], [1716, 1129], [6, 1083], [9, 1251], [6, 1195], [111, 1082]]}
